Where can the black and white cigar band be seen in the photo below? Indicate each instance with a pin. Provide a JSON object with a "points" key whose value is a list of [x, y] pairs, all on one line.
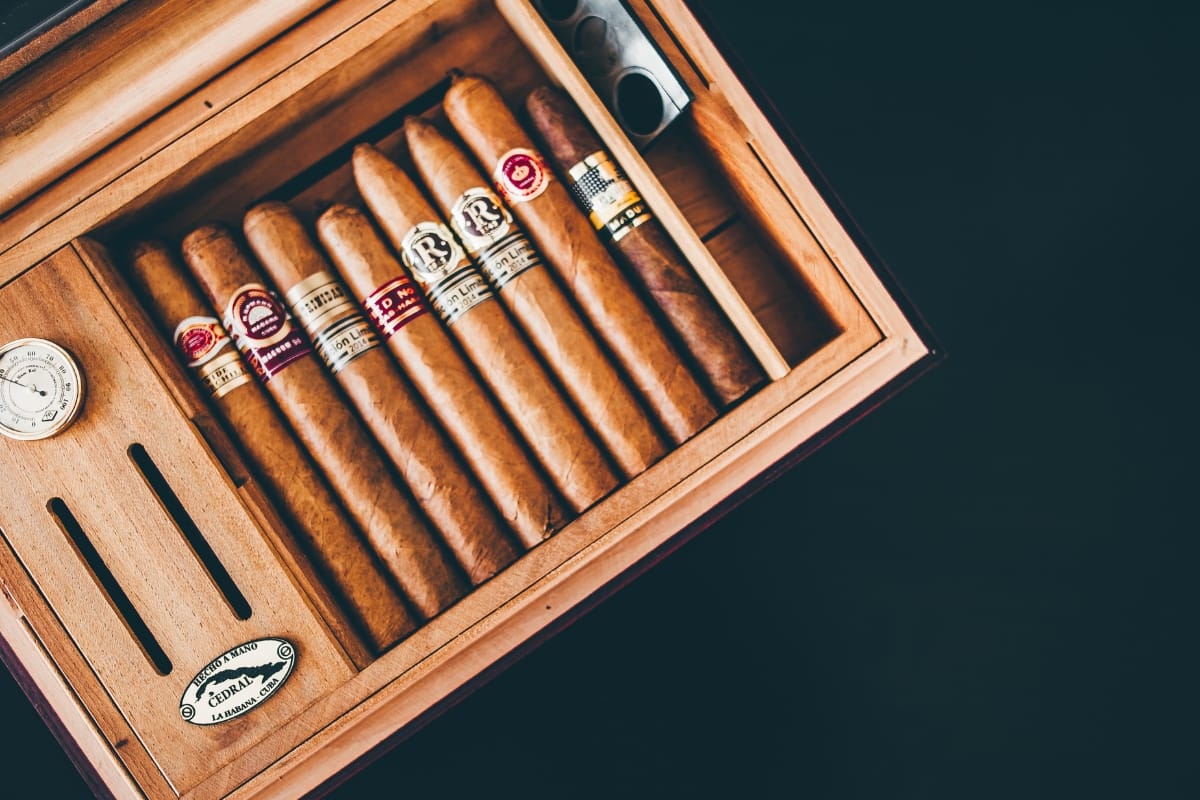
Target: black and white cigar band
{"points": [[339, 331], [442, 269], [486, 228], [602, 190]]}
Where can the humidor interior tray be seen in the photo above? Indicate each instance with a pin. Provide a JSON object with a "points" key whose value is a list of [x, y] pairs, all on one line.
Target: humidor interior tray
{"points": [[279, 125]]}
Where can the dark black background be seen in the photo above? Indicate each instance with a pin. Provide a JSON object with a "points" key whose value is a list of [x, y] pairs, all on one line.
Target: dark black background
{"points": [[985, 588]]}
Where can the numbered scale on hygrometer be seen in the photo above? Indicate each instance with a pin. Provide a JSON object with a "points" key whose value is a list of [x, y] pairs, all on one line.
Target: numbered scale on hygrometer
{"points": [[41, 389]]}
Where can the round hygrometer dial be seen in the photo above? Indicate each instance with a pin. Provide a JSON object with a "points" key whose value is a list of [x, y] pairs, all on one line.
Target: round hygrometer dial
{"points": [[41, 389]]}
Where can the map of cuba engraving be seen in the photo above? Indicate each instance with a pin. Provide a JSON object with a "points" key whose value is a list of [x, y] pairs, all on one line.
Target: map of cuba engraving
{"points": [[237, 681]]}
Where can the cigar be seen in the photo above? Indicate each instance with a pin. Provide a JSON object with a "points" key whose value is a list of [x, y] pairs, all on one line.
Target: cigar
{"points": [[312, 512], [461, 297], [284, 361], [527, 502], [621, 217], [515, 271], [349, 347], [565, 238]]}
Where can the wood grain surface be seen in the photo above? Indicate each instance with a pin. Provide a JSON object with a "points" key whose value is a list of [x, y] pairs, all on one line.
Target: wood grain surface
{"points": [[160, 51], [88, 468]]}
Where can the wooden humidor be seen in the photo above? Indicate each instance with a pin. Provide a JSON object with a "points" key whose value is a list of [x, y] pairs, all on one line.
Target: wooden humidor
{"points": [[277, 121]]}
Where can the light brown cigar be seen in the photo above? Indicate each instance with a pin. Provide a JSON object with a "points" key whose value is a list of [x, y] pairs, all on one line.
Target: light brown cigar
{"points": [[569, 244], [318, 522], [514, 269], [349, 347], [526, 501], [308, 398], [622, 218], [461, 297]]}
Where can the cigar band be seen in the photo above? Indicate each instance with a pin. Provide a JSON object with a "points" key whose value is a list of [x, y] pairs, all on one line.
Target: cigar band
{"points": [[263, 331], [223, 374], [338, 330], [521, 175], [200, 339], [607, 197], [205, 348], [442, 269], [487, 231], [394, 305]]}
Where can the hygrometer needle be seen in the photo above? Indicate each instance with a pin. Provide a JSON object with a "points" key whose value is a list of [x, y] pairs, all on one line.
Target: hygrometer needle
{"points": [[42, 392]]}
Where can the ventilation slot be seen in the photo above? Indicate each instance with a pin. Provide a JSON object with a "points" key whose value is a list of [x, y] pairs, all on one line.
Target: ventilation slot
{"points": [[187, 526], [116, 595]]}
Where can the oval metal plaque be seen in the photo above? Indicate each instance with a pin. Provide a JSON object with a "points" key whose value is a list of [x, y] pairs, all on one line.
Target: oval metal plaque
{"points": [[237, 681]]}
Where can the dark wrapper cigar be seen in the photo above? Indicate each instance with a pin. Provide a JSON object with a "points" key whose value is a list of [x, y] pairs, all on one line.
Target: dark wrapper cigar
{"points": [[621, 217], [313, 513], [440, 373], [461, 297], [569, 244], [499, 245], [349, 347], [341, 447]]}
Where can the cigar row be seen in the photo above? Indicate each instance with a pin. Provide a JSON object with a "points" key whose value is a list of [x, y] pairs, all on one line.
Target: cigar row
{"points": [[427, 404]]}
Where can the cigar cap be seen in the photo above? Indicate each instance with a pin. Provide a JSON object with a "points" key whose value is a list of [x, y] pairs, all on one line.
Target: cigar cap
{"points": [[393, 197], [264, 211], [206, 233], [344, 217], [147, 247], [338, 210], [420, 131], [542, 95], [367, 159], [463, 84], [364, 151], [368, 162]]}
